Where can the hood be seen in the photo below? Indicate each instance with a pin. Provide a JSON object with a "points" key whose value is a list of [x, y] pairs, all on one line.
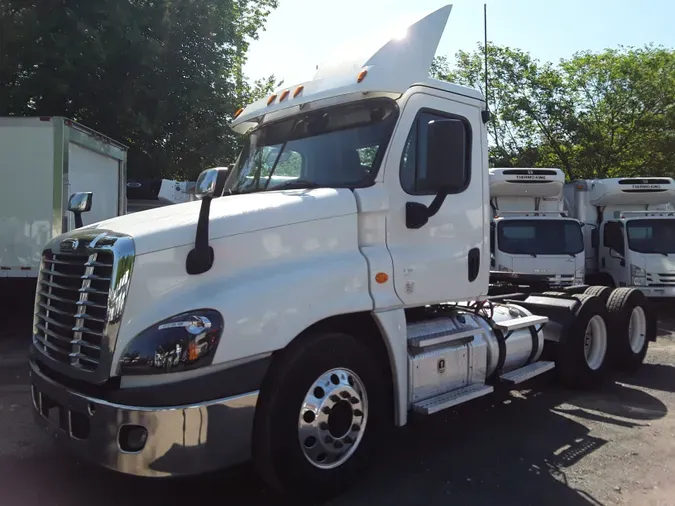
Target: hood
{"points": [[656, 263], [175, 225]]}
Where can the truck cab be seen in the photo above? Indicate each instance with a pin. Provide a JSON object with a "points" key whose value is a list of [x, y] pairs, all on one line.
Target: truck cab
{"points": [[530, 232], [631, 227]]}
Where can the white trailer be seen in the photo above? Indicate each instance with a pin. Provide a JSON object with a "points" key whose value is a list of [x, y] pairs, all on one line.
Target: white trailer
{"points": [[295, 322], [44, 161], [630, 231], [530, 232]]}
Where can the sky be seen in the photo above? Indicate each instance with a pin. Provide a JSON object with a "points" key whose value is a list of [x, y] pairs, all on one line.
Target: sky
{"points": [[301, 34]]}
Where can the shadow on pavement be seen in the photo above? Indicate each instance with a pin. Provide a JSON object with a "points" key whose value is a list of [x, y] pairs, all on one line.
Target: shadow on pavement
{"points": [[653, 376], [512, 448]]}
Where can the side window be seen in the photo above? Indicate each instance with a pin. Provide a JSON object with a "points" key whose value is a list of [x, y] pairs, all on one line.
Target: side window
{"points": [[613, 237], [415, 161], [619, 239], [492, 237]]}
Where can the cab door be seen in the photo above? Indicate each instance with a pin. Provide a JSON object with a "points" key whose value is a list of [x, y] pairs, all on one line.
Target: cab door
{"points": [[446, 257]]}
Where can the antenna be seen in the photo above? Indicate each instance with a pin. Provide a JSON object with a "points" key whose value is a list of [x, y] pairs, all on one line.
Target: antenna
{"points": [[486, 112]]}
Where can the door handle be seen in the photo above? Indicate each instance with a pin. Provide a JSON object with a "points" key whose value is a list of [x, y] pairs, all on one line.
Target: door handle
{"points": [[473, 263]]}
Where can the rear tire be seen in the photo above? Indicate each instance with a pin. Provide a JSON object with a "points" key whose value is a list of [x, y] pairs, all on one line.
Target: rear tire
{"points": [[633, 325], [581, 356], [298, 447], [602, 292]]}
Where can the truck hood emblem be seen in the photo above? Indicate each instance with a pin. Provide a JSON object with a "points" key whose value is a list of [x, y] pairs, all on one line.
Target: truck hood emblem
{"points": [[69, 245]]}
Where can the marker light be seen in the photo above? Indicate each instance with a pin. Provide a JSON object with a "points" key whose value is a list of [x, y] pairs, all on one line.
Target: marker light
{"points": [[239, 111], [271, 99], [298, 90], [283, 95], [362, 75]]}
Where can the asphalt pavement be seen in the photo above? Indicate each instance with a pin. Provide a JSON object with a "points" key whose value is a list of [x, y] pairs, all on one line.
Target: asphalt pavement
{"points": [[541, 445]]}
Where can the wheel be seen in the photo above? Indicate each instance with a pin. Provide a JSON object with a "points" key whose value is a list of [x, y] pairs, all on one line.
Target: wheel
{"points": [[633, 324], [602, 292], [320, 413], [581, 356]]}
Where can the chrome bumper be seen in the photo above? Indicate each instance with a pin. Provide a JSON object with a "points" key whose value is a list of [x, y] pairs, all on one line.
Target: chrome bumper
{"points": [[180, 440]]}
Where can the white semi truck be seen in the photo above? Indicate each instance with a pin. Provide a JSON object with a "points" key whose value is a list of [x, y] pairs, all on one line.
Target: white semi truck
{"points": [[629, 230], [44, 161], [530, 232], [293, 322]]}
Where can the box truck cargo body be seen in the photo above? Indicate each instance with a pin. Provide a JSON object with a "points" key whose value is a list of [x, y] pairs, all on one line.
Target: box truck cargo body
{"points": [[43, 161]]}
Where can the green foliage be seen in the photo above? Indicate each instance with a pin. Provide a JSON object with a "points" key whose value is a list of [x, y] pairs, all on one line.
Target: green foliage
{"points": [[594, 115], [162, 76]]}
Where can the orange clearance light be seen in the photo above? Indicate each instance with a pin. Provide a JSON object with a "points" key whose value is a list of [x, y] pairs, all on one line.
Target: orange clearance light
{"points": [[283, 95], [239, 111], [580, 187], [362, 75], [381, 277], [298, 90], [271, 99], [193, 351]]}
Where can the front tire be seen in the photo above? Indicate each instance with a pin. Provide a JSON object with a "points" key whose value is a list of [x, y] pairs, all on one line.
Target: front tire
{"points": [[581, 357], [319, 415], [633, 325]]}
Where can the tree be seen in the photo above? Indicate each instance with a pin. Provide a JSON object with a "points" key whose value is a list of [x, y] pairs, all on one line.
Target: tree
{"points": [[594, 115], [162, 76]]}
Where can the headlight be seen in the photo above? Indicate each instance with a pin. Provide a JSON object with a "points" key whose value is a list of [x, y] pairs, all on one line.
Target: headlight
{"points": [[637, 271], [639, 281], [180, 343], [579, 276]]}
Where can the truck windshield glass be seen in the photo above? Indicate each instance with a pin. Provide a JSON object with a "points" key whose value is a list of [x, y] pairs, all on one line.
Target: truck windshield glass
{"points": [[651, 236], [339, 147], [540, 237]]}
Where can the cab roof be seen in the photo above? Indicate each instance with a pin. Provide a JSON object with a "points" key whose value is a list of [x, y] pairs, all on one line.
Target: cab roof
{"points": [[397, 65]]}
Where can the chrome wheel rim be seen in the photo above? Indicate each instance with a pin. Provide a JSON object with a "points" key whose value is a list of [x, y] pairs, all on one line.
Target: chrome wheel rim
{"points": [[333, 418], [595, 342], [637, 329]]}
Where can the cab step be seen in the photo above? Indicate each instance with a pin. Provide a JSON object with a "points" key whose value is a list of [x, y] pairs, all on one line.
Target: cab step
{"points": [[449, 399], [527, 372]]}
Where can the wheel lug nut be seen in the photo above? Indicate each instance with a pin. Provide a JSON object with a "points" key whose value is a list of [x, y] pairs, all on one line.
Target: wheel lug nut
{"points": [[345, 395], [337, 445], [358, 412], [356, 428], [348, 440], [354, 400], [323, 426], [334, 398], [328, 439], [325, 410]]}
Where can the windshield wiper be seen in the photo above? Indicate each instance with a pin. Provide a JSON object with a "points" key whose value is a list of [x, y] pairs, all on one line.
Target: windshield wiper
{"points": [[297, 183]]}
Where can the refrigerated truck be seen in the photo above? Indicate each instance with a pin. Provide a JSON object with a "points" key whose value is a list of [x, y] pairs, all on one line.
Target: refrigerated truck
{"points": [[295, 321], [630, 231], [43, 160], [530, 232]]}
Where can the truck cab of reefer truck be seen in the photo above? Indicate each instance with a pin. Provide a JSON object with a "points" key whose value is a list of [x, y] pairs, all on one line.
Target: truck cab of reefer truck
{"points": [[308, 301], [630, 226], [530, 232]]}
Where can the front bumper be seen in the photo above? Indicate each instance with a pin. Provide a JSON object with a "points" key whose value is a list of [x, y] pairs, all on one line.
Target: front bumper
{"points": [[181, 440], [657, 292]]}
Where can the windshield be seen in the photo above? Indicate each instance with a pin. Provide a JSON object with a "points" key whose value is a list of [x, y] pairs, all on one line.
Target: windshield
{"points": [[340, 146], [651, 236], [540, 237]]}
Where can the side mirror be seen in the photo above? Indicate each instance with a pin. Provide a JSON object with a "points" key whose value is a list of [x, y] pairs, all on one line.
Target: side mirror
{"points": [[446, 155], [206, 183], [211, 182], [79, 203]]}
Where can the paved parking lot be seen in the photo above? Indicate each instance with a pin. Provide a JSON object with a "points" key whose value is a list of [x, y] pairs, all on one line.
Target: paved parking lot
{"points": [[540, 446]]}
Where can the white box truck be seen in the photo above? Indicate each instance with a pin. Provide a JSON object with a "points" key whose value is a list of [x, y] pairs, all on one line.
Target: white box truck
{"points": [[630, 231], [44, 160], [294, 321], [530, 232]]}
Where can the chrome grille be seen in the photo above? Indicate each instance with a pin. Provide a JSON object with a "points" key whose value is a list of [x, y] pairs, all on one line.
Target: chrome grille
{"points": [[81, 293], [72, 307], [662, 279]]}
